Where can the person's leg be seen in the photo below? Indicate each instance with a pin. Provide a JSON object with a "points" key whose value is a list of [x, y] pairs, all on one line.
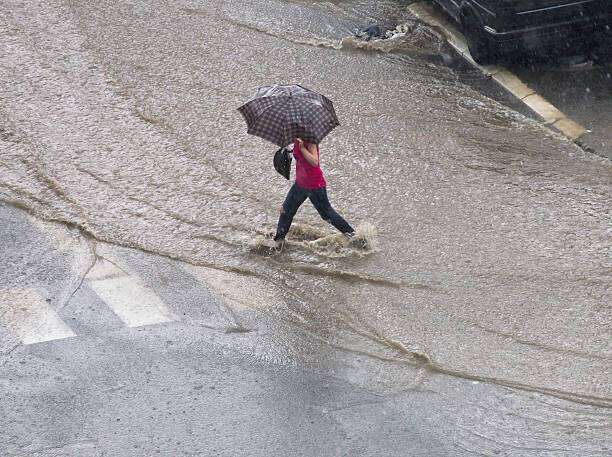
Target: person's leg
{"points": [[321, 203], [293, 201]]}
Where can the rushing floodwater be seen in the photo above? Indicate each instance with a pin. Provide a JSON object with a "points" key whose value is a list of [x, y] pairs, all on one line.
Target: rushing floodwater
{"points": [[492, 259]]}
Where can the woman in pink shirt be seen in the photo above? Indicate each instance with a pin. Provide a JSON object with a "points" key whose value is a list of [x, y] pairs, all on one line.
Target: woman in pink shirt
{"points": [[309, 183]]}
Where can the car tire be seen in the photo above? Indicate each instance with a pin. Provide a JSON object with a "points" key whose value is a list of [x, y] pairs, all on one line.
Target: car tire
{"points": [[479, 44]]}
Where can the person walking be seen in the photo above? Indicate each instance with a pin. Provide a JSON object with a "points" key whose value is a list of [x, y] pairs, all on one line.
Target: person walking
{"points": [[309, 183], [282, 114]]}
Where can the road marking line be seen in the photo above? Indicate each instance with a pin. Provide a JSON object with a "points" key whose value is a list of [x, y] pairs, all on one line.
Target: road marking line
{"points": [[134, 303], [513, 84], [508, 80], [30, 317]]}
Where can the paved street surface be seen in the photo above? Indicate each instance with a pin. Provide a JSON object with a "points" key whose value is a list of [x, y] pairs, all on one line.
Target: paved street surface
{"points": [[577, 82], [140, 317], [583, 91], [143, 358]]}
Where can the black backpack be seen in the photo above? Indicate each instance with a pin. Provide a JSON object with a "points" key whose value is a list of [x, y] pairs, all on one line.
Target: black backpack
{"points": [[282, 162]]}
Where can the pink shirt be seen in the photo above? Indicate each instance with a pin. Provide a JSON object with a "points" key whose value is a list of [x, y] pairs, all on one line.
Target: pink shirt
{"points": [[307, 176]]}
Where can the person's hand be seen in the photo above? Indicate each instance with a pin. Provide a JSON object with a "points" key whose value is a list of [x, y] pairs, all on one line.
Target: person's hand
{"points": [[300, 141]]}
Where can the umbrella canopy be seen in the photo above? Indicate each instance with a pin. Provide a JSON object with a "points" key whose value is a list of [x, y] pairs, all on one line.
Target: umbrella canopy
{"points": [[281, 113]]}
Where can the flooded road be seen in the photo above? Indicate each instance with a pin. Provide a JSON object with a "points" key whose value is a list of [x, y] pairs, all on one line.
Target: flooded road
{"points": [[492, 259]]}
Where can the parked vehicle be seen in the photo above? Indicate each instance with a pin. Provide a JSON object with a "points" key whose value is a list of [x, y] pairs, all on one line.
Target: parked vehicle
{"points": [[496, 27]]}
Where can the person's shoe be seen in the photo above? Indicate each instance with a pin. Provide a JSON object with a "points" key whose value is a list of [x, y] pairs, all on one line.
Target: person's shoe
{"points": [[356, 241], [279, 244]]}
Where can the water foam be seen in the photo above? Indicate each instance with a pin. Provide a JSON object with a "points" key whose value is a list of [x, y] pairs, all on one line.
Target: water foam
{"points": [[319, 241], [412, 35]]}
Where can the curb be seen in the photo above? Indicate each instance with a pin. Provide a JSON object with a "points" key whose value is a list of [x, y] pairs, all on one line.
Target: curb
{"points": [[505, 78]]}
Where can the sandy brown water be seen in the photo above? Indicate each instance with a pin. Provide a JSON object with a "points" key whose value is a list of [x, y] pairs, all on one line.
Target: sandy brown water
{"points": [[493, 250]]}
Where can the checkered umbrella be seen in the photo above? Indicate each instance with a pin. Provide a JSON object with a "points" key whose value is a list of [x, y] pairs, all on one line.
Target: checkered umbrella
{"points": [[281, 113]]}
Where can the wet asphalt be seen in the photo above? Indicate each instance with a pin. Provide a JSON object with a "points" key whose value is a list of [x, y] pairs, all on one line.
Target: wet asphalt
{"points": [[101, 133], [217, 380], [583, 91], [576, 80]]}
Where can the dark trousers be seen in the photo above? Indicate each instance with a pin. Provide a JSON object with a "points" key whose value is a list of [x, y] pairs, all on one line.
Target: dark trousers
{"points": [[318, 197]]}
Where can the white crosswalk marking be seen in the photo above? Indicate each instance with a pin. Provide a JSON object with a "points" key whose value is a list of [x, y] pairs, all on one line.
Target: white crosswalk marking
{"points": [[30, 317], [131, 301]]}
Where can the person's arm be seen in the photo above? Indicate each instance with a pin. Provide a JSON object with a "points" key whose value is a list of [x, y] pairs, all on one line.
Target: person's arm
{"points": [[310, 153]]}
